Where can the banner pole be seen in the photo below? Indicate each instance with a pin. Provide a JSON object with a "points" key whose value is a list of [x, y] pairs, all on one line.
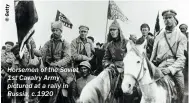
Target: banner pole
{"points": [[107, 23]]}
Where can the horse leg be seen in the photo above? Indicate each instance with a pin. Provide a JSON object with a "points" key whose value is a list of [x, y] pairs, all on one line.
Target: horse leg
{"points": [[14, 90], [143, 100], [30, 98], [27, 92], [53, 99]]}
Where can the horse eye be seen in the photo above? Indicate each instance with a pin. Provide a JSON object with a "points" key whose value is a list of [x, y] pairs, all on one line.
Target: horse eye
{"points": [[138, 61], [144, 68]]}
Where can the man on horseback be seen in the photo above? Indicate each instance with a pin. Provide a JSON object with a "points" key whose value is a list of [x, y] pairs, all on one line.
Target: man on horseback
{"points": [[116, 47], [82, 48], [114, 54], [56, 51], [168, 51], [56, 54]]}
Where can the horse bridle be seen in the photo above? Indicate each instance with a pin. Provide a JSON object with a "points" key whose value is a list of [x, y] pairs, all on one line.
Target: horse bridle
{"points": [[142, 68], [138, 79]]}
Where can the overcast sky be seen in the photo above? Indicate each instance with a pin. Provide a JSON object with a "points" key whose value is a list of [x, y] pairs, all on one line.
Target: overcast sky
{"points": [[94, 15]]}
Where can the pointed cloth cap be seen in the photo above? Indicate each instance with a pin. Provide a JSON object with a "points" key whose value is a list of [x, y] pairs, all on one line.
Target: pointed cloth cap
{"points": [[114, 25]]}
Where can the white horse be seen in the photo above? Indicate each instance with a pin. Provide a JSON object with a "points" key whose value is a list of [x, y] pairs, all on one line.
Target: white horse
{"points": [[138, 73], [98, 89]]}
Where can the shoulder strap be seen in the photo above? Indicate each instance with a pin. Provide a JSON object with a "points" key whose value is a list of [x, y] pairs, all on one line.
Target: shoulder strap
{"points": [[62, 52], [169, 45], [52, 54], [157, 33]]}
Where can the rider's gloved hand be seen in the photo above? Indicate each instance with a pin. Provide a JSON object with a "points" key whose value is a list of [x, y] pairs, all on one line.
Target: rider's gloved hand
{"points": [[112, 66], [120, 70], [106, 65], [54, 64], [165, 71], [32, 42]]}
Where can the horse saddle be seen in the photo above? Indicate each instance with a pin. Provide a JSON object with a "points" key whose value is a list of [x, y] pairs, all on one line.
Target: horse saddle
{"points": [[166, 81]]}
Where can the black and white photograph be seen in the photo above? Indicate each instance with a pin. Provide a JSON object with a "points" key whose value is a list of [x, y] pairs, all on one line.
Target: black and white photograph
{"points": [[94, 51]]}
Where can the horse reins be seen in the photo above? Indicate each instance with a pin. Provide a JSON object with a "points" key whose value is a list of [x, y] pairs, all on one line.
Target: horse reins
{"points": [[142, 67], [138, 77], [139, 74]]}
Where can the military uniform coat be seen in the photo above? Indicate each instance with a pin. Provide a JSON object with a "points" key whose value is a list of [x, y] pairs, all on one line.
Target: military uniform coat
{"points": [[80, 51], [178, 43], [58, 50]]}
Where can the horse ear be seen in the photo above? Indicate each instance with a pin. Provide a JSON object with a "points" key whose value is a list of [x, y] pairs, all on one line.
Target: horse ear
{"points": [[129, 45], [142, 47]]}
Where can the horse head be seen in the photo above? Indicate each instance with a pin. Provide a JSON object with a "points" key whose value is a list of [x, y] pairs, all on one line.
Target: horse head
{"points": [[134, 66]]}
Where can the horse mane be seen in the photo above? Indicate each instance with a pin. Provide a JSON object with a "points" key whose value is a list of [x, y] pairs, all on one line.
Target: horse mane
{"points": [[151, 67], [157, 75], [154, 72]]}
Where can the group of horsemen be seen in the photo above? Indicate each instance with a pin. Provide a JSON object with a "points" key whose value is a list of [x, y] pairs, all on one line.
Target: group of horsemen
{"points": [[167, 51]]}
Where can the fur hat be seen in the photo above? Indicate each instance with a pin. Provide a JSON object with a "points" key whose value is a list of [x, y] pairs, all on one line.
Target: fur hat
{"points": [[57, 25]]}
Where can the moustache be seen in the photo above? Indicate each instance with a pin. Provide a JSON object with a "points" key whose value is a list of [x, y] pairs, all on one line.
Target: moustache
{"points": [[56, 36]]}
